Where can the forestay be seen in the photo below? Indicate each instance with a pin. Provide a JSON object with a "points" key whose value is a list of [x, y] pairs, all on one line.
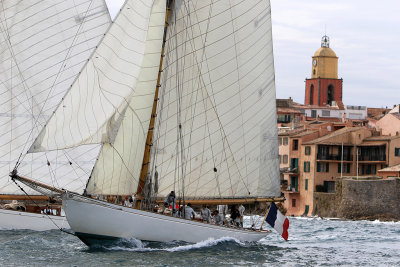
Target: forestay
{"points": [[44, 44], [218, 84]]}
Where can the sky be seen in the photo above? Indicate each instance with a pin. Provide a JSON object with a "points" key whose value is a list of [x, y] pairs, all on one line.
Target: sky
{"points": [[364, 34]]}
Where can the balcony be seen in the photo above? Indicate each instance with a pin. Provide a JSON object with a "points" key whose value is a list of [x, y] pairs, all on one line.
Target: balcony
{"points": [[334, 157], [291, 190], [372, 157]]}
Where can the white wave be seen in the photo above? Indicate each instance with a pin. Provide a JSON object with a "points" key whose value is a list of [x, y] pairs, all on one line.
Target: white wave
{"points": [[383, 222], [206, 243], [203, 244]]}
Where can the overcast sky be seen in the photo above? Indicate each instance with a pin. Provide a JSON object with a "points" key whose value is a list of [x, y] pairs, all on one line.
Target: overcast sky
{"points": [[364, 34]]}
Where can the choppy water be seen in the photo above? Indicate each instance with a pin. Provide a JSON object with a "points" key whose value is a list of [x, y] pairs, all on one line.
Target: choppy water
{"points": [[313, 241]]}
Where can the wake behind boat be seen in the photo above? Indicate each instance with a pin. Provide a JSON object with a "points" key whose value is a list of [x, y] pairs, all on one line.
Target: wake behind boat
{"points": [[181, 97]]}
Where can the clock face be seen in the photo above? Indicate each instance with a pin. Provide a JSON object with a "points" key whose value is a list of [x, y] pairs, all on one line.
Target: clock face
{"points": [[314, 62]]}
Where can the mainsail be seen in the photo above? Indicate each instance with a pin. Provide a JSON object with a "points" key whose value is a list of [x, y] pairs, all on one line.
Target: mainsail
{"points": [[216, 134], [44, 45]]}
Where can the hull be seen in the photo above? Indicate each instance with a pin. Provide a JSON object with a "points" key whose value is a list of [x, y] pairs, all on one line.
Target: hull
{"points": [[11, 219], [94, 221]]}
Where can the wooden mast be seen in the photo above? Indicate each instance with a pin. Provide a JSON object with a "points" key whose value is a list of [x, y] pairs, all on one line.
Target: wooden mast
{"points": [[149, 140]]}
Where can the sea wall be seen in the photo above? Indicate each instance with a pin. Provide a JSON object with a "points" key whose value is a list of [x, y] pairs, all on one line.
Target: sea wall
{"points": [[360, 199]]}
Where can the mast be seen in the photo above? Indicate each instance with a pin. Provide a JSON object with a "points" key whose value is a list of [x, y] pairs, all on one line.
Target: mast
{"points": [[149, 139]]}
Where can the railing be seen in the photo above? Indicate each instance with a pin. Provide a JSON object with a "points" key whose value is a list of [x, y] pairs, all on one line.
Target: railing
{"points": [[372, 158], [334, 157]]}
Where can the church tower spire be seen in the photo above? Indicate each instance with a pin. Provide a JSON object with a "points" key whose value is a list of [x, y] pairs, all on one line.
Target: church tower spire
{"points": [[324, 87]]}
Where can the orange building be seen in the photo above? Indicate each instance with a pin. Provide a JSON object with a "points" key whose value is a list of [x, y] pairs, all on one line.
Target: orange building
{"points": [[318, 161]]}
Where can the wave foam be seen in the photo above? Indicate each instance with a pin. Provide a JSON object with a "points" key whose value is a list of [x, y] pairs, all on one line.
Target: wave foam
{"points": [[202, 244]]}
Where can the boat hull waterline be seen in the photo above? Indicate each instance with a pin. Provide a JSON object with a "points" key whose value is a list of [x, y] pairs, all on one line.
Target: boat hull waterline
{"points": [[93, 220], [13, 220]]}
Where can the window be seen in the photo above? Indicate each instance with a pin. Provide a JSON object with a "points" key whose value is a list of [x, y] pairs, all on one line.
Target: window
{"points": [[313, 113], [330, 94], [306, 166], [397, 151], [326, 113], [280, 141], [312, 93], [293, 202], [285, 141], [346, 168], [280, 159], [285, 159], [295, 144], [308, 150], [368, 169], [306, 184], [322, 167]]}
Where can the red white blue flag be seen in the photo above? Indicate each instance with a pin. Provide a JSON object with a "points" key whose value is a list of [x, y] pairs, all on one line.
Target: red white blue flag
{"points": [[278, 221]]}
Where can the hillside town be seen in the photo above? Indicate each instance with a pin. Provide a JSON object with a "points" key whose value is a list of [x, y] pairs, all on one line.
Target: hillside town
{"points": [[337, 159]]}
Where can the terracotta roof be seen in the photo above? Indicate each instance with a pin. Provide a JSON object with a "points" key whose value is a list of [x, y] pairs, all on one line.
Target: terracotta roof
{"points": [[304, 133], [340, 104], [330, 119], [325, 139], [381, 138], [397, 115], [393, 168], [321, 107], [377, 113], [288, 110]]}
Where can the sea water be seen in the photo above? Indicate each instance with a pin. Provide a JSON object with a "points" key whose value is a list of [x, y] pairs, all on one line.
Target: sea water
{"points": [[312, 242]]}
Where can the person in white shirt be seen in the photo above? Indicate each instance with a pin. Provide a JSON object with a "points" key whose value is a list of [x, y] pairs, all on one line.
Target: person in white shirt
{"points": [[205, 214], [241, 212], [217, 218], [189, 212]]}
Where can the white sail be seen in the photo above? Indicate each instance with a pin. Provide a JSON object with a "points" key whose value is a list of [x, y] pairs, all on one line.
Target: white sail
{"points": [[218, 84], [118, 167], [44, 44], [93, 108]]}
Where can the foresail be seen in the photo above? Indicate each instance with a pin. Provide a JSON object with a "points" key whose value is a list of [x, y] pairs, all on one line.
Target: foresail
{"points": [[93, 108], [44, 44], [218, 84], [118, 167]]}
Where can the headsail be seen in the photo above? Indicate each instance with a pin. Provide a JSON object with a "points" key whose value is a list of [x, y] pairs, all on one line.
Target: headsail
{"points": [[117, 170], [44, 44], [217, 134], [93, 109]]}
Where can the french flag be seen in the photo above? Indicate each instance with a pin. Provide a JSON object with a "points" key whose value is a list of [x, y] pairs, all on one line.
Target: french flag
{"points": [[278, 221]]}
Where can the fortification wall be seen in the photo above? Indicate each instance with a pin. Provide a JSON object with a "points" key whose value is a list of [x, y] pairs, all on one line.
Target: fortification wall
{"points": [[360, 199]]}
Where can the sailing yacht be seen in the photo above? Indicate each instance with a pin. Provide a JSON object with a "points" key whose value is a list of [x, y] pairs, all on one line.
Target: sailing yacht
{"points": [[44, 45], [181, 96]]}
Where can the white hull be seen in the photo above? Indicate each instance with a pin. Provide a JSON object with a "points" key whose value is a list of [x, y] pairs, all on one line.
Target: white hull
{"points": [[11, 219], [94, 220]]}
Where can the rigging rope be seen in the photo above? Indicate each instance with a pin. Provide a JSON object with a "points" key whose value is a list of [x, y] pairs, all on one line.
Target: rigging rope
{"points": [[48, 216]]}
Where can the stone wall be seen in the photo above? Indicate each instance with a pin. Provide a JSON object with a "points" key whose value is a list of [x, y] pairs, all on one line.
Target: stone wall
{"points": [[360, 199]]}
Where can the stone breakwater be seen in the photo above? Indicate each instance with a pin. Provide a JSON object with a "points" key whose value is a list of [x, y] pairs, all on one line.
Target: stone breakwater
{"points": [[370, 199]]}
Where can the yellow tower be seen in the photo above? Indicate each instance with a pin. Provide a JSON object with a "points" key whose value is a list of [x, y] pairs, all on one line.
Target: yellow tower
{"points": [[325, 61]]}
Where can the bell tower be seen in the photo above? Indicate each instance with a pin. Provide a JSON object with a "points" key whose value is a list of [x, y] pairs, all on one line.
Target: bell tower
{"points": [[324, 87]]}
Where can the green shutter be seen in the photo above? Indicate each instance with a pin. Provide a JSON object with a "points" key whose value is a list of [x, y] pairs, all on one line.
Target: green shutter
{"points": [[306, 185]]}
